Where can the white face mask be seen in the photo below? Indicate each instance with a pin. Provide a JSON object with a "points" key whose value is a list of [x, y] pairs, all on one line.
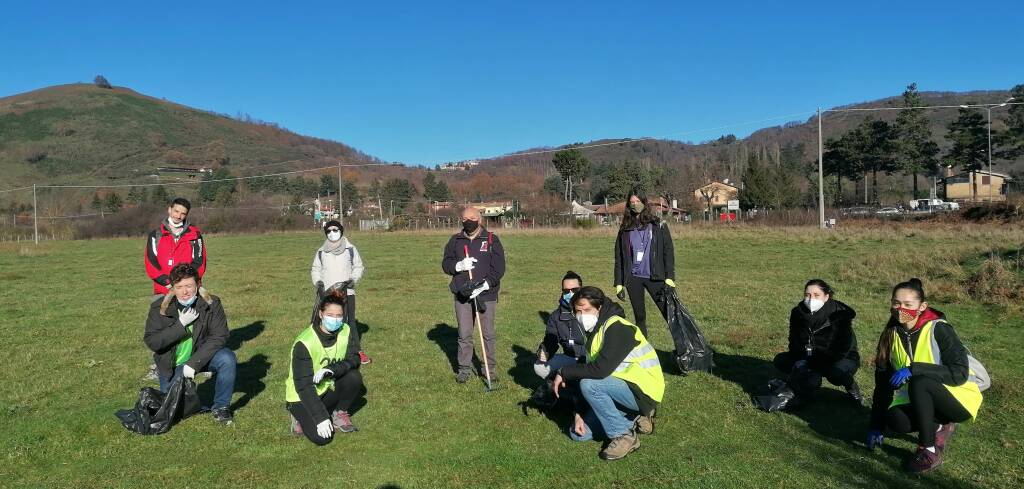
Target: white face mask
{"points": [[814, 304], [334, 236], [588, 321]]}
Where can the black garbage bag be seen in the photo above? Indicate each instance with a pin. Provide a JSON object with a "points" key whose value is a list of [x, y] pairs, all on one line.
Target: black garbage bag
{"points": [[805, 383], [777, 397], [692, 350], [155, 412]]}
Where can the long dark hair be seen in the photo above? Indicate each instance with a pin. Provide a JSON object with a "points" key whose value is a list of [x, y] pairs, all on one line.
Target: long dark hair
{"points": [[593, 295], [632, 221], [821, 284], [884, 354]]}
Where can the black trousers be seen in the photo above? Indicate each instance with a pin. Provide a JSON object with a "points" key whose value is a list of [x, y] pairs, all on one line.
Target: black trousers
{"points": [[931, 404], [840, 373], [345, 392], [635, 287]]}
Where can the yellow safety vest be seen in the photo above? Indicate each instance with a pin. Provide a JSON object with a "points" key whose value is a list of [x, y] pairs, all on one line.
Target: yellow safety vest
{"points": [[322, 357], [927, 351], [641, 366]]}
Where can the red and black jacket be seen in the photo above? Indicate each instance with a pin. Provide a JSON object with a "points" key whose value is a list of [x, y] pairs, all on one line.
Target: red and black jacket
{"points": [[163, 252]]}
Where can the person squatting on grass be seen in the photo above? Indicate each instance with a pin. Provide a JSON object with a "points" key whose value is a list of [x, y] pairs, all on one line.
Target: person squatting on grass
{"points": [[562, 330], [174, 241], [622, 381], [187, 332], [475, 260], [323, 378], [821, 344], [337, 266], [923, 381], [644, 259]]}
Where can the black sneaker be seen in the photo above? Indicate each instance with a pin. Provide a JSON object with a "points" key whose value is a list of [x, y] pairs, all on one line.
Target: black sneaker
{"points": [[854, 393], [464, 375], [223, 416]]}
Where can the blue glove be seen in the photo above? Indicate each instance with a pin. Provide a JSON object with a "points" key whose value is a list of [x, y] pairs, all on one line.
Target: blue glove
{"points": [[899, 377], [875, 439]]}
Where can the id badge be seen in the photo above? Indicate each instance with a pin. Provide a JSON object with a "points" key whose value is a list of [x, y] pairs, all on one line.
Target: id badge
{"points": [[809, 350], [640, 256]]}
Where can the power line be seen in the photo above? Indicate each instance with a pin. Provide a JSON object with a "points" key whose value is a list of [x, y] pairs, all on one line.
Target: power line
{"points": [[15, 189], [962, 106]]}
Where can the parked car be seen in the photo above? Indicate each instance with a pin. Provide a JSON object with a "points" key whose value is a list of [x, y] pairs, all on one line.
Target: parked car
{"points": [[889, 211], [856, 212], [933, 205]]}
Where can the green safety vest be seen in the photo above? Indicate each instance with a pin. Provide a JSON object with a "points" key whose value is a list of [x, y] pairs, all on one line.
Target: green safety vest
{"points": [[640, 367], [322, 357], [927, 351]]}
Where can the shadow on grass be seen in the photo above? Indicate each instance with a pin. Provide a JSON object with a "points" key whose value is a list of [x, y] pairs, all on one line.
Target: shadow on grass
{"points": [[249, 379], [447, 338], [831, 415], [522, 368], [522, 373], [544, 315], [246, 333]]}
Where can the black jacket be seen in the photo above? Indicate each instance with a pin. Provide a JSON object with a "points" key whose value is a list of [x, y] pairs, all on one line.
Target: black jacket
{"points": [[618, 341], [563, 330], [490, 265], [829, 332], [953, 371], [164, 332], [303, 370], [663, 255]]}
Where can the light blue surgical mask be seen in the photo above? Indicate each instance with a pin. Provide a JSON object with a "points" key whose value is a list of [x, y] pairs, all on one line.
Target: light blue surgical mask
{"points": [[333, 324], [566, 297], [188, 302]]}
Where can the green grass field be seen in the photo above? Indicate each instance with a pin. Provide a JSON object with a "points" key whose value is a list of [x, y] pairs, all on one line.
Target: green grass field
{"points": [[72, 315]]}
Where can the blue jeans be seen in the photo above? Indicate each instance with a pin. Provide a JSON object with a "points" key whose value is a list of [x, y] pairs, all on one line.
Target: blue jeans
{"points": [[223, 367], [605, 418]]}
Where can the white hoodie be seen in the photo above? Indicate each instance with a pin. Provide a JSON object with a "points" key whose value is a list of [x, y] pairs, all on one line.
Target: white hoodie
{"points": [[335, 268]]}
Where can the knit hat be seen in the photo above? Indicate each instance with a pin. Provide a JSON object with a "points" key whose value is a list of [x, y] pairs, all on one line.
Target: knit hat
{"points": [[335, 223]]}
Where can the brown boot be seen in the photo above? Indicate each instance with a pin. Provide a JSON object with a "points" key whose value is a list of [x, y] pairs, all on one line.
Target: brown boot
{"points": [[621, 446], [644, 425]]}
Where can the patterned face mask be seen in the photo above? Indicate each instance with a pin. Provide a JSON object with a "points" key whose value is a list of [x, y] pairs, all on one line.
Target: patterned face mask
{"points": [[907, 315]]}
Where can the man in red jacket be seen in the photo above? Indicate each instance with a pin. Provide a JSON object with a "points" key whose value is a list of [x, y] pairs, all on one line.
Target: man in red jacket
{"points": [[175, 241]]}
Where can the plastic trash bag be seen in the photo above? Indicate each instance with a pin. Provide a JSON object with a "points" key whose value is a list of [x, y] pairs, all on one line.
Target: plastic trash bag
{"points": [[692, 350], [777, 397], [155, 412]]}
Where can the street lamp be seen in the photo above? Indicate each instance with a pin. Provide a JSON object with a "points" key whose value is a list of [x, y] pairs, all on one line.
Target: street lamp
{"points": [[991, 178]]}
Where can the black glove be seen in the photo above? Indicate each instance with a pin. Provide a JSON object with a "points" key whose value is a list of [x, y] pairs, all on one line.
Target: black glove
{"points": [[467, 289]]}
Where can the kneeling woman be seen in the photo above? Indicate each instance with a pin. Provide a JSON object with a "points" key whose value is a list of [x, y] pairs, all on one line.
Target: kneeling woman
{"points": [[621, 381], [324, 378], [821, 343], [922, 379]]}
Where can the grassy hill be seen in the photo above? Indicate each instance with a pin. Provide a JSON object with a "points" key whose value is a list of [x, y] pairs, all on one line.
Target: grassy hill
{"points": [[83, 133]]}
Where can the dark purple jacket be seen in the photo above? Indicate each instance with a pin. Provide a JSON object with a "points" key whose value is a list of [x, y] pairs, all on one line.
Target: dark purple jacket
{"points": [[490, 264]]}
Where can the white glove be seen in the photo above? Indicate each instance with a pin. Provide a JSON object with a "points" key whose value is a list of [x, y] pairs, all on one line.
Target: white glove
{"points": [[479, 290], [189, 372], [320, 374], [187, 316], [325, 429], [466, 264]]}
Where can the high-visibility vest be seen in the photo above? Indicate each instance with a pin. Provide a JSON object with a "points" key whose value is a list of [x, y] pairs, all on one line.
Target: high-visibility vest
{"points": [[927, 351], [322, 357], [640, 367]]}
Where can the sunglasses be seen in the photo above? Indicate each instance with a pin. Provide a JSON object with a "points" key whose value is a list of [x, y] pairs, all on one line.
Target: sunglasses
{"points": [[573, 290], [333, 230]]}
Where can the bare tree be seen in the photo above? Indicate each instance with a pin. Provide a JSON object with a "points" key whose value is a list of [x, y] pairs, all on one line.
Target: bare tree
{"points": [[101, 82]]}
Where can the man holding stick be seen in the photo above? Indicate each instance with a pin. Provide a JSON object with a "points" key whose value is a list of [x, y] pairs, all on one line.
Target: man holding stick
{"points": [[475, 260]]}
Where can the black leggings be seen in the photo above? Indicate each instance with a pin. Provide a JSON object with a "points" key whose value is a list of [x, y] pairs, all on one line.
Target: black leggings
{"points": [[930, 403], [345, 392], [840, 373], [635, 287]]}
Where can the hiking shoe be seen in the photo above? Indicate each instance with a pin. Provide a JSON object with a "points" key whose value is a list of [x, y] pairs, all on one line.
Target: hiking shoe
{"points": [[296, 428], [463, 376], [854, 393], [363, 359], [343, 422], [943, 435], [223, 416], [924, 460], [644, 425], [151, 374], [621, 446]]}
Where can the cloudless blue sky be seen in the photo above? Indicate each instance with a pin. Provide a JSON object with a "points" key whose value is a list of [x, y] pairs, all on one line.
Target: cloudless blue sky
{"points": [[429, 82]]}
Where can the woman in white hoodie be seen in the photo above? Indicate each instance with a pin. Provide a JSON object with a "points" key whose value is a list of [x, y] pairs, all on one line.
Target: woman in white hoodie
{"points": [[337, 267]]}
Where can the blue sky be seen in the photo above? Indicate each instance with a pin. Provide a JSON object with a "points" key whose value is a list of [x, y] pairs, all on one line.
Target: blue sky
{"points": [[429, 82]]}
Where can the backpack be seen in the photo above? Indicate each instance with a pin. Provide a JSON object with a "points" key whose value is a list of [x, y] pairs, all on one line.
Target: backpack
{"points": [[980, 376]]}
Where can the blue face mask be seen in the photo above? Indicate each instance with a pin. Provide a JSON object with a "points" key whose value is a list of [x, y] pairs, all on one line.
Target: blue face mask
{"points": [[188, 302], [333, 324], [566, 297]]}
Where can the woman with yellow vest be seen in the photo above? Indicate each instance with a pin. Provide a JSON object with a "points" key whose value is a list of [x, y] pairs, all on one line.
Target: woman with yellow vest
{"points": [[323, 379], [922, 379], [621, 380]]}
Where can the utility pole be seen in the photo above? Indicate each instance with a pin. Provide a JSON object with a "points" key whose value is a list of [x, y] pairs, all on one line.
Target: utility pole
{"points": [[990, 177], [380, 207], [821, 177], [341, 206], [35, 214]]}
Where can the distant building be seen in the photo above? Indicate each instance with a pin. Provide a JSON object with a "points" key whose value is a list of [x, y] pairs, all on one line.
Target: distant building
{"points": [[975, 186], [716, 195], [190, 172]]}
